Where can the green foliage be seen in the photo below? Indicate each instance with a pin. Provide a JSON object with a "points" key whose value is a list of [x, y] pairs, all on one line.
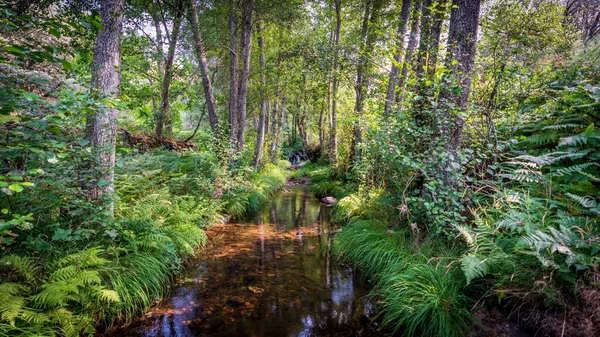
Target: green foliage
{"points": [[425, 300], [542, 222], [416, 288]]}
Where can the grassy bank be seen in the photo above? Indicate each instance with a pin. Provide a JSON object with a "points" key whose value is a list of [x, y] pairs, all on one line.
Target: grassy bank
{"points": [[416, 286], [65, 281]]}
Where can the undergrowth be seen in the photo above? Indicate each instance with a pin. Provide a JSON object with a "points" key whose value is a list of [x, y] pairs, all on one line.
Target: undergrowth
{"points": [[70, 284], [415, 286]]}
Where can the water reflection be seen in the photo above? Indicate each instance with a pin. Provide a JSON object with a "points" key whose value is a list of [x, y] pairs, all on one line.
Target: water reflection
{"points": [[272, 275]]}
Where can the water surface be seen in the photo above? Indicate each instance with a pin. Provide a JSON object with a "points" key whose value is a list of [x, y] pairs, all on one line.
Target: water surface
{"points": [[273, 274]]}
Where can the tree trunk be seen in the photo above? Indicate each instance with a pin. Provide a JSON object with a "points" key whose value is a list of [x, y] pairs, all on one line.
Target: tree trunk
{"points": [[432, 18], [363, 70], [165, 107], [260, 132], [204, 72], [462, 42], [102, 124], [245, 73], [234, 73], [436, 32], [395, 71], [410, 49], [277, 125], [334, 89]]}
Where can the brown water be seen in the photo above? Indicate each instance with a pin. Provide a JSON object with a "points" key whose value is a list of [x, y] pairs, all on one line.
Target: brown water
{"points": [[271, 275]]}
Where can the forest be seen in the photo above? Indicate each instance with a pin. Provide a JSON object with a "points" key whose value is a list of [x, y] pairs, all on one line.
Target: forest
{"points": [[458, 139]]}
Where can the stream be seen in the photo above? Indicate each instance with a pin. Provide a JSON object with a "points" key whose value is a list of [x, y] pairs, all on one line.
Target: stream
{"points": [[272, 274]]}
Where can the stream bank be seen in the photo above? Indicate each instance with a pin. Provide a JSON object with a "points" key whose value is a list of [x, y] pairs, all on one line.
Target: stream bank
{"points": [[271, 274]]}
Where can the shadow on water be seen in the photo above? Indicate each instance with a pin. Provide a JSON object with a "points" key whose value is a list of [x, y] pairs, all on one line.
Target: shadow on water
{"points": [[271, 275]]}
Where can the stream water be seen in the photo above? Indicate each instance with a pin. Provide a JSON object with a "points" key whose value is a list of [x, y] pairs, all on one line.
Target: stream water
{"points": [[273, 274]]}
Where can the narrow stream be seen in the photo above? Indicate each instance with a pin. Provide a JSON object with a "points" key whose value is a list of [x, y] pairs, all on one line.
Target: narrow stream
{"points": [[271, 275]]}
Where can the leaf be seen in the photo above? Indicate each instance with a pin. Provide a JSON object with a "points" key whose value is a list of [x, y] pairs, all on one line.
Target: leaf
{"points": [[30, 97], [473, 267], [16, 187], [67, 66], [54, 32], [103, 183]]}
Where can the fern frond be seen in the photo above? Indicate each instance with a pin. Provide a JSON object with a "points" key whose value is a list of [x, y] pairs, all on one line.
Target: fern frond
{"points": [[25, 266]]}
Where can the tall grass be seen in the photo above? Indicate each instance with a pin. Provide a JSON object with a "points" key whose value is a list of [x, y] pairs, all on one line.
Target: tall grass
{"points": [[416, 287]]}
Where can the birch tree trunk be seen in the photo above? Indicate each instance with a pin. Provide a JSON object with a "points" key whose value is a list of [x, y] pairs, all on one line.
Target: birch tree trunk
{"points": [[395, 71], [204, 72], [102, 124]]}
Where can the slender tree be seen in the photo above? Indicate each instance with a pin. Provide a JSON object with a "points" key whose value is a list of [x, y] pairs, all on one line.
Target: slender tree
{"points": [[233, 72], [260, 132], [410, 48], [102, 124], [335, 85], [368, 36], [247, 26], [165, 107], [398, 51], [203, 65]]}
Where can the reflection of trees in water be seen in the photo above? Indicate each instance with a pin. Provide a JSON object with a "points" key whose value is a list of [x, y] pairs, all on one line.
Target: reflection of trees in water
{"points": [[289, 257]]}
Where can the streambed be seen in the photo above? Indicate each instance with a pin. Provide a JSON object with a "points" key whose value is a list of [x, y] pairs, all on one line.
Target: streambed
{"points": [[273, 274]]}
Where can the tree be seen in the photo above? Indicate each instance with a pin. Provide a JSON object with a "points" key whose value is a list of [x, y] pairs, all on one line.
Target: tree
{"points": [[102, 124], [334, 90], [363, 68], [165, 108], [395, 71], [233, 72], [246, 40], [203, 65], [462, 42], [410, 48], [260, 133]]}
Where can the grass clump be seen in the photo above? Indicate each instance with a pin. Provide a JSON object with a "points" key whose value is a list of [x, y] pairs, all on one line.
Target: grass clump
{"points": [[417, 292]]}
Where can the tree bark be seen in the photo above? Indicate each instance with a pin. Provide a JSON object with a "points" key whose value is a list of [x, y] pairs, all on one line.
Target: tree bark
{"points": [[279, 114], [165, 107], [204, 72], [462, 43], [395, 71], [260, 133], [335, 85], [247, 26], [234, 73], [102, 124]]}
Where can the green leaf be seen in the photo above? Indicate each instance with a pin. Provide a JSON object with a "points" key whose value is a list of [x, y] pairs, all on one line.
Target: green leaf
{"points": [[16, 187], [30, 97], [67, 66], [103, 183], [27, 184], [54, 32]]}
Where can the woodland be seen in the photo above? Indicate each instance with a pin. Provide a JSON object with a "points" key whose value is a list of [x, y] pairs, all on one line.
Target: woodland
{"points": [[459, 137]]}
